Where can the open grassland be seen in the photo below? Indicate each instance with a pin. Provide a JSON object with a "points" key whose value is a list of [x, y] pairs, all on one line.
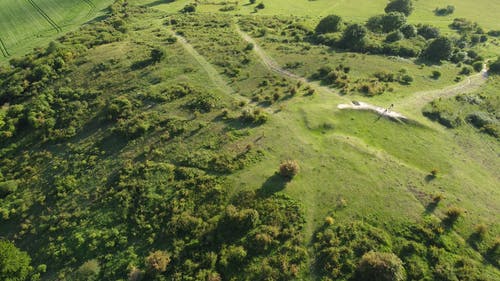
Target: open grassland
{"points": [[483, 11], [157, 136], [28, 24]]}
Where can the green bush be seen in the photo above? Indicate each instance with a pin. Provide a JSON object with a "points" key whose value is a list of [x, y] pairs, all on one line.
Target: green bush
{"points": [[402, 6], [89, 271], [289, 169], [381, 267], [436, 74], [8, 187], [494, 67], [439, 49], [157, 262], [329, 24], [394, 36], [14, 263]]}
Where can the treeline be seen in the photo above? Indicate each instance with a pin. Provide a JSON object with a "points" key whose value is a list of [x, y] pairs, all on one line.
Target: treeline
{"points": [[391, 34]]}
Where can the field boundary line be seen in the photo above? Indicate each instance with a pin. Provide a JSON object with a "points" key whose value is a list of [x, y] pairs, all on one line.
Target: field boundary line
{"points": [[92, 7], [3, 48], [45, 16]]}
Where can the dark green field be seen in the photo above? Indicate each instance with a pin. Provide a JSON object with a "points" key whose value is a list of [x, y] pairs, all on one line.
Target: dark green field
{"points": [[210, 140]]}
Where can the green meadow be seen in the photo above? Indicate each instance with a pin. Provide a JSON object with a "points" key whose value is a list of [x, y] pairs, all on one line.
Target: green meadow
{"points": [[162, 140]]}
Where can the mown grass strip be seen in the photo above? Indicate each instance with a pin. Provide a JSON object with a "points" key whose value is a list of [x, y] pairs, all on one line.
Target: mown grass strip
{"points": [[45, 16]]}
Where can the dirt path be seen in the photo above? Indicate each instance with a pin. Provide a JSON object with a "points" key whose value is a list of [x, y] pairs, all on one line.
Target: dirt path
{"points": [[380, 110], [418, 100], [414, 102], [212, 73], [271, 64]]}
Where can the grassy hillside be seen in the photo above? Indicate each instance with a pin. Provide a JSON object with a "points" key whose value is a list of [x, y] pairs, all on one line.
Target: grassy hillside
{"points": [[151, 145]]}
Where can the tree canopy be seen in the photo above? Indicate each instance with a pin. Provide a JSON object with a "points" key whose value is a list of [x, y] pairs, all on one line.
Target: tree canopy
{"points": [[14, 263], [439, 49], [402, 6], [328, 24]]}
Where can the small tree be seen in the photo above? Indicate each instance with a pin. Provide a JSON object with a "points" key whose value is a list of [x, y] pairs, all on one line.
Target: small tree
{"points": [[494, 67], [402, 6], [157, 262], [289, 168], [354, 37], [190, 8], [328, 24], [381, 267], [88, 271], [157, 55], [14, 263], [439, 49], [435, 74]]}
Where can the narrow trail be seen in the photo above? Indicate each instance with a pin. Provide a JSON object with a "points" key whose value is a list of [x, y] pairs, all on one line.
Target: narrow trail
{"points": [[272, 65], [212, 73], [414, 102], [418, 100]]}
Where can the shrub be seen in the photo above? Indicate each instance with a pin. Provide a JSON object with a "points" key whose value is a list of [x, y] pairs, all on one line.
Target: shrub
{"points": [[289, 168], [406, 79], [204, 102], [392, 21], [157, 262], [329, 220], [428, 32], [89, 271], [402, 6], [157, 55], [409, 30], [8, 187], [448, 10], [453, 213], [479, 119], [353, 37], [437, 198], [256, 116], [190, 8], [434, 173], [481, 230], [435, 74], [381, 267], [394, 36], [14, 263], [439, 49], [466, 70], [494, 67], [328, 24]]}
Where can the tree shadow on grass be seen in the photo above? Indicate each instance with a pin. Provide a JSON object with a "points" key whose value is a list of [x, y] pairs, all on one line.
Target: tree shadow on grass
{"points": [[273, 184], [431, 207]]}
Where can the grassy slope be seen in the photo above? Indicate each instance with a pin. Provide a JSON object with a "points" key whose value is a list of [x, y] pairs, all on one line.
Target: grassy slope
{"points": [[482, 11], [379, 168], [23, 28]]}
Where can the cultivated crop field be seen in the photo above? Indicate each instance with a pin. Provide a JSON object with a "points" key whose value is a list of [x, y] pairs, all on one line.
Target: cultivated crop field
{"points": [[249, 140], [27, 24]]}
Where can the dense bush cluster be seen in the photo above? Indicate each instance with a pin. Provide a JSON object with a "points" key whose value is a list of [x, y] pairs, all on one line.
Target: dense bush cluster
{"points": [[478, 110], [423, 251]]}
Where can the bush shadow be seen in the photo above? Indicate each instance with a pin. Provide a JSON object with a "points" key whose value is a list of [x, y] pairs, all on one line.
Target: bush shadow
{"points": [[273, 184]]}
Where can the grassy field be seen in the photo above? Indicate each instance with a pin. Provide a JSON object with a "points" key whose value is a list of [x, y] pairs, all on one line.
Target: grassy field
{"points": [[483, 11], [166, 138], [23, 26]]}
